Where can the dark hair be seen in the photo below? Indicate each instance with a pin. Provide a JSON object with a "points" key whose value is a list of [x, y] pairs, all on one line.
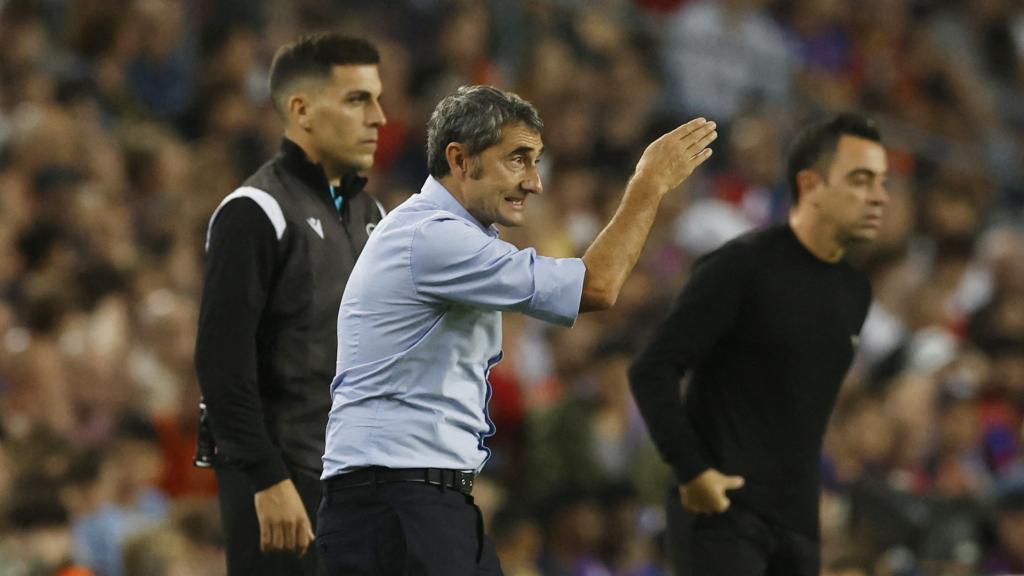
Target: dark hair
{"points": [[313, 56], [474, 116], [816, 144]]}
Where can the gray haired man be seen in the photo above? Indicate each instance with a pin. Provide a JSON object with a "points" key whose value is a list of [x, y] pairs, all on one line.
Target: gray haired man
{"points": [[421, 318]]}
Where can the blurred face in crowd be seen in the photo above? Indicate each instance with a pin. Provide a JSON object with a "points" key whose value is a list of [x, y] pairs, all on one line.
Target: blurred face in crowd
{"points": [[500, 178], [851, 196], [340, 118], [139, 464]]}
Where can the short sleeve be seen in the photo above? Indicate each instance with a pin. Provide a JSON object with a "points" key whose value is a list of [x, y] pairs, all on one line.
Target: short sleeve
{"points": [[455, 261]]}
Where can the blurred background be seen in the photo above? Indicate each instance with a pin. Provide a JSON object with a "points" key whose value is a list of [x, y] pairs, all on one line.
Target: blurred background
{"points": [[124, 122]]}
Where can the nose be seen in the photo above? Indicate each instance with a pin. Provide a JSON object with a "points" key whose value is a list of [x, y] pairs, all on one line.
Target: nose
{"points": [[880, 195], [532, 183], [375, 116]]}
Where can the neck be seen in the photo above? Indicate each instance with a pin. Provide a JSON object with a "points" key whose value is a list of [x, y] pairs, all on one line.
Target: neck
{"points": [[333, 173], [818, 237], [452, 185]]}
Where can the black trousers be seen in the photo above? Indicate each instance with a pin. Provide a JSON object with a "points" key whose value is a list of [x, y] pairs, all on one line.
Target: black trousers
{"points": [[403, 529], [738, 542], [242, 529]]}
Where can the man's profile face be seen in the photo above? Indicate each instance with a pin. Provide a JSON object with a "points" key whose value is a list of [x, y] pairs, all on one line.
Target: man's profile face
{"points": [[503, 176], [853, 195], [345, 117]]}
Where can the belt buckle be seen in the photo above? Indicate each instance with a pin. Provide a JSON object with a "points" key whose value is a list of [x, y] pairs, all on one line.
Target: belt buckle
{"points": [[465, 480]]}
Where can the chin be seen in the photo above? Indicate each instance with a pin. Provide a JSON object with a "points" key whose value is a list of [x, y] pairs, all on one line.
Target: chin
{"points": [[359, 163], [512, 222], [862, 237]]}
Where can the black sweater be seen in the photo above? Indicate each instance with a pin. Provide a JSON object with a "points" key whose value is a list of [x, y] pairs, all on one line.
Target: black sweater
{"points": [[768, 331]]}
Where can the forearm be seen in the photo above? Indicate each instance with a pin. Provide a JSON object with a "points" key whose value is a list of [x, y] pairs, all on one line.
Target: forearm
{"points": [[664, 165], [656, 387], [612, 256], [227, 376]]}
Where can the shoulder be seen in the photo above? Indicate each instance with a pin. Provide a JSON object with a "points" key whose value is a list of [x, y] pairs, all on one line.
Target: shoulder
{"points": [[764, 238], [237, 206], [267, 177], [444, 223], [746, 247], [442, 233]]}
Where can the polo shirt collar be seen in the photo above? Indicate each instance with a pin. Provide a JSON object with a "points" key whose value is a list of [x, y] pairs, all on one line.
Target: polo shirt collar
{"points": [[435, 192]]}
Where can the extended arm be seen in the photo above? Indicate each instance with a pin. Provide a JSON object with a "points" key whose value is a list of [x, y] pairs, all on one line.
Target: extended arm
{"points": [[664, 165]]}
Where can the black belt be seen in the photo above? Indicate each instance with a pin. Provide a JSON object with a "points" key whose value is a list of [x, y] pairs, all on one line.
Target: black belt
{"points": [[455, 479]]}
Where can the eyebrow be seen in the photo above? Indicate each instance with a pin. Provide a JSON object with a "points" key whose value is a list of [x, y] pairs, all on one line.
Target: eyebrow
{"points": [[865, 172], [526, 150], [361, 94]]}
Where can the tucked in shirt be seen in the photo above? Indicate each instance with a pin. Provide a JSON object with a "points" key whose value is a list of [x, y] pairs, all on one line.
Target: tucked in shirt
{"points": [[419, 330]]}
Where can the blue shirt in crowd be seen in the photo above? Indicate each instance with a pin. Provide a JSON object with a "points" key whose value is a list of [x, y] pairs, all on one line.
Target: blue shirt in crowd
{"points": [[420, 329]]}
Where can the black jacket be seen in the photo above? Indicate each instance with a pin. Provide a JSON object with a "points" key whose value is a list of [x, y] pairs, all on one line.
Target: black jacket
{"points": [[278, 256]]}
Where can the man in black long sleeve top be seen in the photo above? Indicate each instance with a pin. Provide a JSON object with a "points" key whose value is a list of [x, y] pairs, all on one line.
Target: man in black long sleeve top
{"points": [[279, 252], [767, 327]]}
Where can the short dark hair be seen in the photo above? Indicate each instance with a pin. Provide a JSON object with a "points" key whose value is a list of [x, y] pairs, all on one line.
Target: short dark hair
{"points": [[474, 116], [313, 56], [815, 145]]}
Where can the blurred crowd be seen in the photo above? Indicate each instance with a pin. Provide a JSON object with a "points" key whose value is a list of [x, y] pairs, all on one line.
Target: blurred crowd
{"points": [[124, 122]]}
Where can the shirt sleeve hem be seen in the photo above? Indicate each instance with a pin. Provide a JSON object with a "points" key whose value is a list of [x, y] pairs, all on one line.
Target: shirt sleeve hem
{"points": [[266, 473], [558, 289]]}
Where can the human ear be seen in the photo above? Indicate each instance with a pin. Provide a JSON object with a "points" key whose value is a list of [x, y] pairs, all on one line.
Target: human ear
{"points": [[299, 110], [807, 182], [458, 160]]}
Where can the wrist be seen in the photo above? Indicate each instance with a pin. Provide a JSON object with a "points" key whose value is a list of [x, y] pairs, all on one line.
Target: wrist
{"points": [[646, 184]]}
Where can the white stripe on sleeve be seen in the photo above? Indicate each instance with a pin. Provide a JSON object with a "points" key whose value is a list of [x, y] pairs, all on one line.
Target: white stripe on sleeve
{"points": [[265, 201]]}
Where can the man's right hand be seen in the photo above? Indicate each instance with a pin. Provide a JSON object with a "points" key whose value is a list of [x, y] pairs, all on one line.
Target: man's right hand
{"points": [[672, 158], [705, 494], [284, 524]]}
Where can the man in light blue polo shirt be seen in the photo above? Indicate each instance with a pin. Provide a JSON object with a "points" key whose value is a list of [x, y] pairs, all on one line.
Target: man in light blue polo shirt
{"points": [[420, 329]]}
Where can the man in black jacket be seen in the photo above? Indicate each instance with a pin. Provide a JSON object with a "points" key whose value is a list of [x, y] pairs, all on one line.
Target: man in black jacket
{"points": [[768, 325], [279, 252]]}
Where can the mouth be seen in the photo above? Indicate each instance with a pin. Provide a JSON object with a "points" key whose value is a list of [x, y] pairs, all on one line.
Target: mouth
{"points": [[517, 203], [873, 221]]}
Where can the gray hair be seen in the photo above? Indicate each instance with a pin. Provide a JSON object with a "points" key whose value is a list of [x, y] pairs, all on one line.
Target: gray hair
{"points": [[474, 116]]}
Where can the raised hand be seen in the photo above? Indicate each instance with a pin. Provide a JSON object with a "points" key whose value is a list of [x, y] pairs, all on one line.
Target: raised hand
{"points": [[670, 159]]}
